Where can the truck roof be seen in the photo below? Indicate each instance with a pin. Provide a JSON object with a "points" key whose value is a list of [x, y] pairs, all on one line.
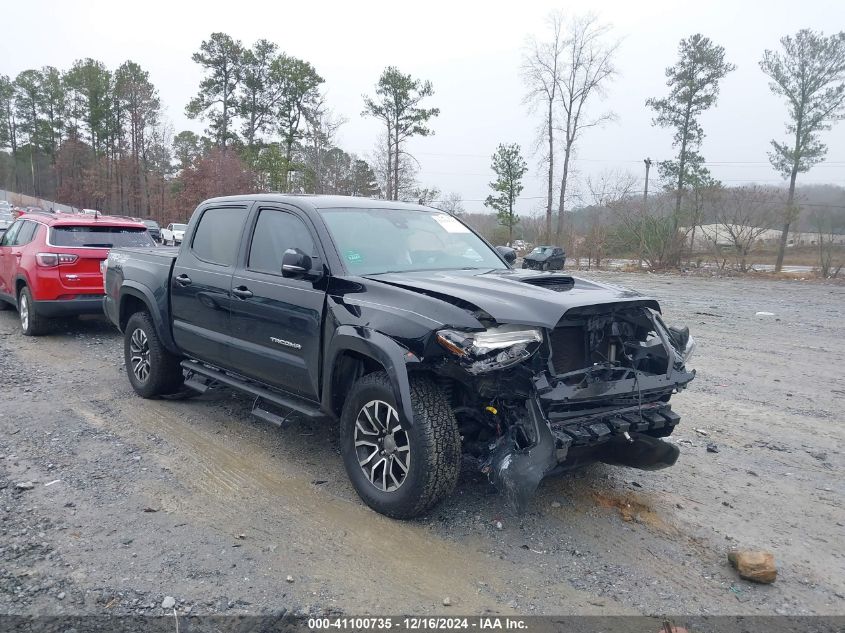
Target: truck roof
{"points": [[324, 202]]}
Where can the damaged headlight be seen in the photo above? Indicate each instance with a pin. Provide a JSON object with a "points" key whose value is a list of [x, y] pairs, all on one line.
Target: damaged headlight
{"points": [[495, 348]]}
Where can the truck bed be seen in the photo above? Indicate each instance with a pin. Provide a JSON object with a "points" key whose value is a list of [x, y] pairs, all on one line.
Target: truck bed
{"points": [[145, 272]]}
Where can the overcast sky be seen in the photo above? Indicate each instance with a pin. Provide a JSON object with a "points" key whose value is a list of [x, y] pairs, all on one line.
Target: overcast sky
{"points": [[471, 51]]}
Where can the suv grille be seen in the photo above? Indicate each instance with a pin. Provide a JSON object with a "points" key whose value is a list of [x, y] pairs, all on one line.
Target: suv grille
{"points": [[569, 349]]}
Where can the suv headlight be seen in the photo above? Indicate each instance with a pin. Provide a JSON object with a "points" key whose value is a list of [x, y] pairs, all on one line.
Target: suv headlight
{"points": [[494, 348]]}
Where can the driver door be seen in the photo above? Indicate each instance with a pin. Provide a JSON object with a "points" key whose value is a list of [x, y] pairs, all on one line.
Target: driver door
{"points": [[276, 321]]}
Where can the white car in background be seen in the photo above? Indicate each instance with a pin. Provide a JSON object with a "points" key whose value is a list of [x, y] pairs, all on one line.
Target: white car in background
{"points": [[172, 235], [6, 218]]}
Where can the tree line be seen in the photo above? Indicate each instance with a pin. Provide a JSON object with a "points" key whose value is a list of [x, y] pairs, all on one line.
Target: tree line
{"points": [[93, 136], [90, 136], [567, 72]]}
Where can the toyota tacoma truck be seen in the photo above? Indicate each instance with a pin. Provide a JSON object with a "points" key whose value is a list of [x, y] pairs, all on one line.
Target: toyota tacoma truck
{"points": [[408, 329]]}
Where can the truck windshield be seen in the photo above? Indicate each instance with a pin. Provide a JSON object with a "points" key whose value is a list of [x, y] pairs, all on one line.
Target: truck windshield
{"points": [[99, 236], [375, 241]]}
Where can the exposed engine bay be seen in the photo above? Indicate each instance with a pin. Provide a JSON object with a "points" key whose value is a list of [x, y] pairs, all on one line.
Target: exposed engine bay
{"points": [[533, 402]]}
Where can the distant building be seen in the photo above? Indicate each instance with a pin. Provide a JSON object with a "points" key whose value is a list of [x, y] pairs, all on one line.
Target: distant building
{"points": [[707, 235]]}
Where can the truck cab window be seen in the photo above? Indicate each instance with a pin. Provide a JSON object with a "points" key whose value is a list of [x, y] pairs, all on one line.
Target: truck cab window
{"points": [[275, 232], [217, 235]]}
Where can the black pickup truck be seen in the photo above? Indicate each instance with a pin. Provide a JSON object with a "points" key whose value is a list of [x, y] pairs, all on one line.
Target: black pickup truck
{"points": [[410, 329]]}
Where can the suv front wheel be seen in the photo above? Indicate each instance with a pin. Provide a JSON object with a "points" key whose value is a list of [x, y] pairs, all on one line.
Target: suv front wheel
{"points": [[399, 469]]}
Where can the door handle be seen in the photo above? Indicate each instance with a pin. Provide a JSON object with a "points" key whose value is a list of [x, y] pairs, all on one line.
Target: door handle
{"points": [[183, 280], [242, 292]]}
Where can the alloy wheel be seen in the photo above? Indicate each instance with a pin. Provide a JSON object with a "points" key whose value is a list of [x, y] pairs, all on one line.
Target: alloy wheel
{"points": [[382, 446], [24, 311], [139, 354]]}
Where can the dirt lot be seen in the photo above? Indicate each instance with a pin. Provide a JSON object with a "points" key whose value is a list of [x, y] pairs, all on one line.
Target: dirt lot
{"points": [[134, 501]]}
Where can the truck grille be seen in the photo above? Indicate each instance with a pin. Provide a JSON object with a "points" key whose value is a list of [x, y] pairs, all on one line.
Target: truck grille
{"points": [[569, 349]]}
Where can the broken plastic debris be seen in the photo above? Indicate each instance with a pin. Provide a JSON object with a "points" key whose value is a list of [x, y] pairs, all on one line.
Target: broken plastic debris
{"points": [[765, 314]]}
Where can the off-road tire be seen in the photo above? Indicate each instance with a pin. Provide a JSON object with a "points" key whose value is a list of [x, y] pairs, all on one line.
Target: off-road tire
{"points": [[34, 324], [165, 372], [435, 446]]}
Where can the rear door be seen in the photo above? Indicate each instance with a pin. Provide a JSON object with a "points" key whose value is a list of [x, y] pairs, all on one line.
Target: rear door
{"points": [[275, 320], [201, 282]]}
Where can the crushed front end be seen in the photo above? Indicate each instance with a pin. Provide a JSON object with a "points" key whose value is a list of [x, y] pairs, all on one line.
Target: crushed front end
{"points": [[532, 402]]}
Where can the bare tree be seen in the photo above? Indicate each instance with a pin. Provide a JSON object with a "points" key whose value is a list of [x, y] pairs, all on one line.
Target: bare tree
{"points": [[541, 72], [611, 187], [830, 235], [320, 135], [451, 203], [610, 190], [588, 67], [743, 215], [381, 160]]}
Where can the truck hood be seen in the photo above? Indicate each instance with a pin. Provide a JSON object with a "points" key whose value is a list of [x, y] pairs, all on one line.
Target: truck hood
{"points": [[513, 296]]}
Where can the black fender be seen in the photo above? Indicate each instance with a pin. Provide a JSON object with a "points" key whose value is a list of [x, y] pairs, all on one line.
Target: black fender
{"points": [[156, 310], [387, 352]]}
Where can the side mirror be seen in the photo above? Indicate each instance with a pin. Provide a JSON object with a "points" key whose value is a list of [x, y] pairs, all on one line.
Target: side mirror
{"points": [[295, 263], [507, 253]]}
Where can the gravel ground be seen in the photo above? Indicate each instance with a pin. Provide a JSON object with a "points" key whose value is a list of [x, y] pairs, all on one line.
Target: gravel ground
{"points": [[135, 501]]}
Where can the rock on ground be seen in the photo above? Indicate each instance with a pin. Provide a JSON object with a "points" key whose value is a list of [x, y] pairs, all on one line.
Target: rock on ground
{"points": [[755, 565]]}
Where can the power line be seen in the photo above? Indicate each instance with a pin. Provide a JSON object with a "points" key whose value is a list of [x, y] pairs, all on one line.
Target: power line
{"points": [[637, 161]]}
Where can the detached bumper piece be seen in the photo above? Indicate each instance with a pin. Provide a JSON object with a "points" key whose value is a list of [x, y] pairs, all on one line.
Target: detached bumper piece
{"points": [[592, 430]]}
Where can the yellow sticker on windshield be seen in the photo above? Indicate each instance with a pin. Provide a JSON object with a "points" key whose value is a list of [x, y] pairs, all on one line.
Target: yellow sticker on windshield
{"points": [[449, 223]]}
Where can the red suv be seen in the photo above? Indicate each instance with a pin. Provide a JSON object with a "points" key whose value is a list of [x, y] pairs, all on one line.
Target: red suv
{"points": [[50, 264]]}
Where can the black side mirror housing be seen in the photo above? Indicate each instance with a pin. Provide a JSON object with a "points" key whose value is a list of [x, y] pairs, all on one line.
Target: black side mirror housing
{"points": [[507, 253], [295, 263]]}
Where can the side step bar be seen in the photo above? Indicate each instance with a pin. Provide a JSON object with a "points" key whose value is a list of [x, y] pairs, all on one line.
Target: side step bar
{"points": [[197, 371]]}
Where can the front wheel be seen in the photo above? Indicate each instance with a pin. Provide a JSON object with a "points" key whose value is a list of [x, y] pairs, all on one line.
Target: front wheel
{"points": [[152, 370], [399, 468]]}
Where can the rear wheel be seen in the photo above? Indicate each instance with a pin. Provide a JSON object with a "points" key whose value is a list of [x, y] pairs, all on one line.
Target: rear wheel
{"points": [[32, 323], [152, 370], [399, 469]]}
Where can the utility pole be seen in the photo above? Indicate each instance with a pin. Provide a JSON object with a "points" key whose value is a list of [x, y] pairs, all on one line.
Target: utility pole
{"points": [[647, 162]]}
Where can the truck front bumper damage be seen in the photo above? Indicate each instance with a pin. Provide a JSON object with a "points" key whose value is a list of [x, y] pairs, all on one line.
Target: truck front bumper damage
{"points": [[597, 388], [606, 414], [622, 437]]}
